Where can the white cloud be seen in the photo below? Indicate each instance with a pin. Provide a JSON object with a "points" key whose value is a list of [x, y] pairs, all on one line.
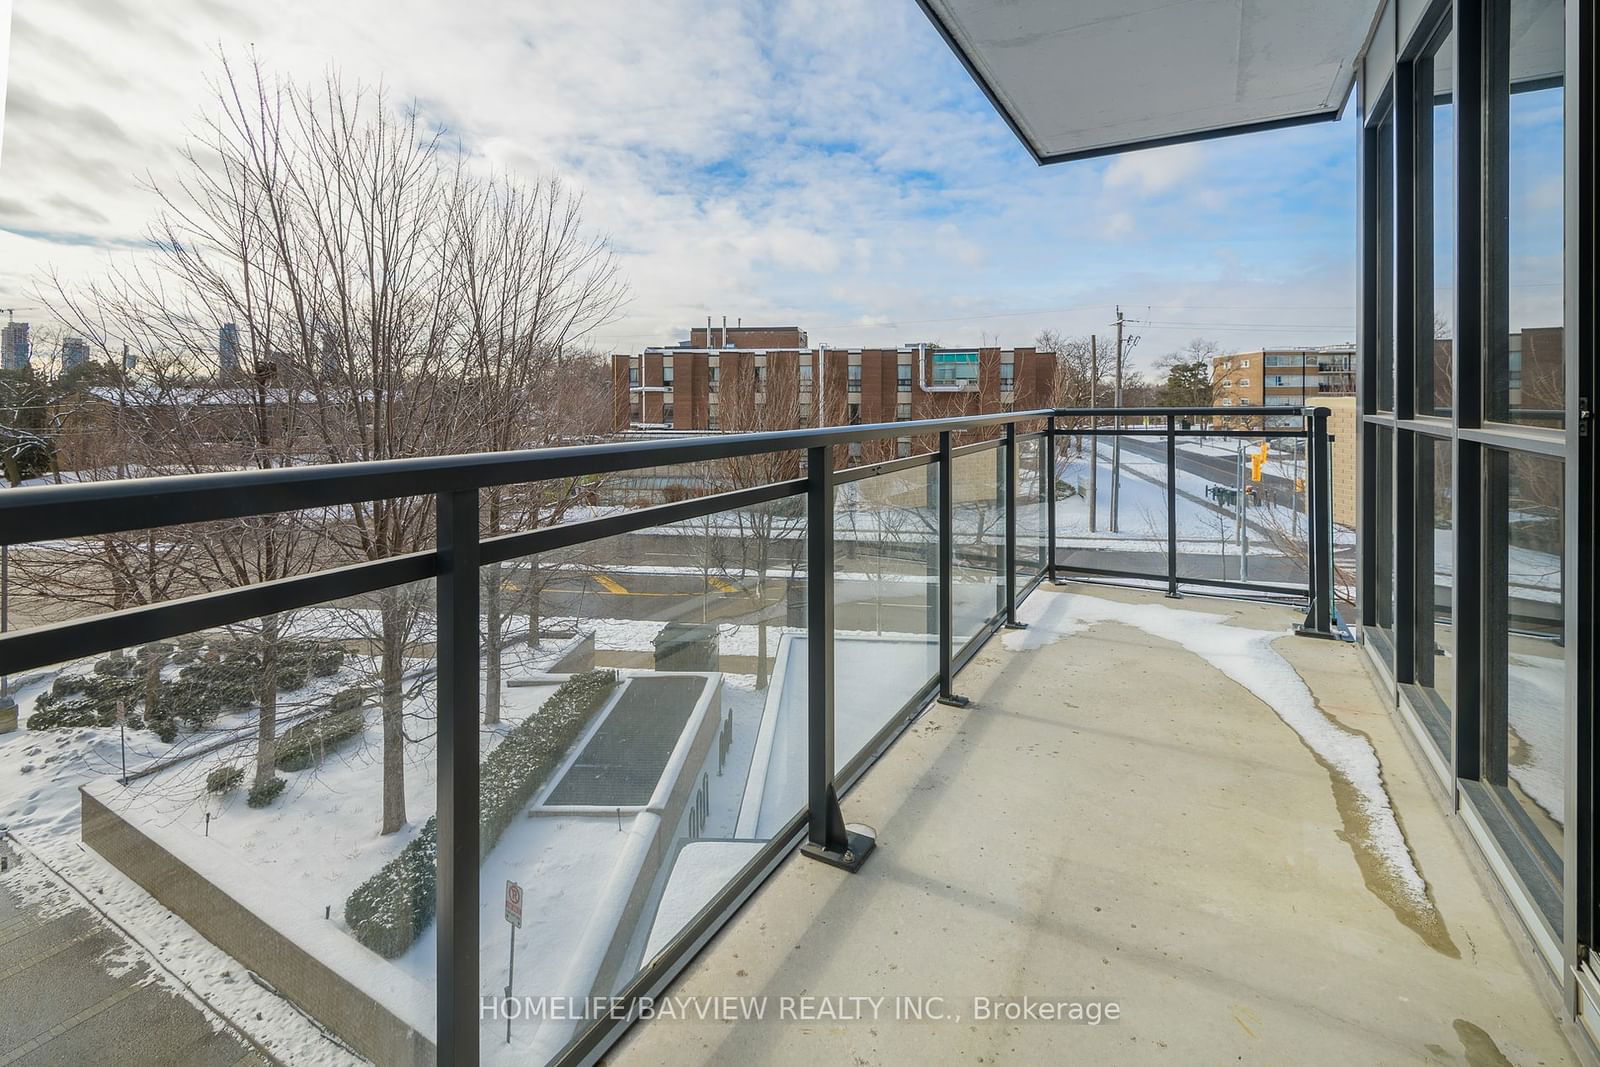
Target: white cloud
{"points": [[825, 162], [1156, 170]]}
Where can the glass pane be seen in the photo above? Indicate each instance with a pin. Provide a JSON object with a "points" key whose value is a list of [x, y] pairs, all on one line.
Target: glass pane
{"points": [[1031, 526], [1526, 691], [1525, 364], [1233, 527], [1436, 123], [886, 602], [1435, 646], [978, 554], [1385, 282], [271, 784], [1383, 550], [659, 713], [1111, 502]]}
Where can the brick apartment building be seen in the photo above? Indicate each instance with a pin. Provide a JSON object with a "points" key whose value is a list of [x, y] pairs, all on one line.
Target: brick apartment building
{"points": [[1283, 377], [770, 378]]}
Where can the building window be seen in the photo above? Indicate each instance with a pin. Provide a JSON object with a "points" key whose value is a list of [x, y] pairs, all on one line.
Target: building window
{"points": [[761, 377], [805, 374], [666, 414], [1524, 379], [1435, 228], [854, 373], [1525, 680], [1384, 225], [713, 378], [902, 377], [633, 377], [1008, 377], [666, 375], [855, 414], [955, 367], [1227, 401], [902, 412], [855, 451], [1244, 383], [902, 447], [711, 422]]}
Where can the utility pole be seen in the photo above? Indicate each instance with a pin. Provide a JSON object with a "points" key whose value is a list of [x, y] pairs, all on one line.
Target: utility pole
{"points": [[1094, 421], [1116, 440]]}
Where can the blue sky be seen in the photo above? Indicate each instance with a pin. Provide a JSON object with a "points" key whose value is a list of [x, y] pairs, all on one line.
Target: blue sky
{"points": [[818, 162]]}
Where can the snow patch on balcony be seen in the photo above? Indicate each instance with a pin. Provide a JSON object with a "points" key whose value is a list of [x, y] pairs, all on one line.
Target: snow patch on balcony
{"points": [[1247, 657]]}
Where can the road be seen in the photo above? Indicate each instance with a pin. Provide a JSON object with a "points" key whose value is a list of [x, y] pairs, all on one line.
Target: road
{"points": [[1223, 470], [76, 992]]}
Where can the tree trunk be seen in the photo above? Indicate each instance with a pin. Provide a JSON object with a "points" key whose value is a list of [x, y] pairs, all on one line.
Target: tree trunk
{"points": [[267, 722], [392, 668], [533, 602], [494, 623]]}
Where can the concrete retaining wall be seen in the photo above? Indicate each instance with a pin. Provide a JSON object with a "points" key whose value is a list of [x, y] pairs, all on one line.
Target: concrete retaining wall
{"points": [[359, 1020]]}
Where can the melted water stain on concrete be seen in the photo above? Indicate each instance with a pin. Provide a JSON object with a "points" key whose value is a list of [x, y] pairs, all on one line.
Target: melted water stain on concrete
{"points": [[1480, 1047], [1422, 918]]}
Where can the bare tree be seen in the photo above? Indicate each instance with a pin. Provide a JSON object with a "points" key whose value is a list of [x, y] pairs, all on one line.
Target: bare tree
{"points": [[388, 303]]}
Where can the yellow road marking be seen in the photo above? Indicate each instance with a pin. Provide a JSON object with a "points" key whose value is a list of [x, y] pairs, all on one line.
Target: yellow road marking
{"points": [[723, 586], [610, 585]]}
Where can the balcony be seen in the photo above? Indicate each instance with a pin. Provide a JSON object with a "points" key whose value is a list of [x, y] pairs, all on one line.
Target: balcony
{"points": [[487, 799], [1120, 818]]}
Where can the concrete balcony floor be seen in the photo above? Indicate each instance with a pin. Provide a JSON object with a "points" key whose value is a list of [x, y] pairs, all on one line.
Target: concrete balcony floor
{"points": [[1115, 817]]}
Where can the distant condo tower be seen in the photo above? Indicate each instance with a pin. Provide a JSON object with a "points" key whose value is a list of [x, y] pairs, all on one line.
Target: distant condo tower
{"points": [[14, 346], [74, 353], [228, 350]]}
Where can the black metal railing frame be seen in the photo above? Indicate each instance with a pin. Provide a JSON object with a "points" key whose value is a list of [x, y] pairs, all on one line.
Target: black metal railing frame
{"points": [[48, 513]]}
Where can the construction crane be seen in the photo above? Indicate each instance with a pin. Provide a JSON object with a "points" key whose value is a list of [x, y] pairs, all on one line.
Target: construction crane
{"points": [[11, 313]]}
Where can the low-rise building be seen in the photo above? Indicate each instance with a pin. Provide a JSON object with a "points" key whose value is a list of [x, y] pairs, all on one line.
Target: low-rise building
{"points": [[772, 378]]}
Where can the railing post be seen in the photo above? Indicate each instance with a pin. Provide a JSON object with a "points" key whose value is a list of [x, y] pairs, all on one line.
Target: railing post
{"points": [[1011, 528], [947, 612], [457, 752], [1172, 507], [1050, 499], [1319, 616], [827, 837]]}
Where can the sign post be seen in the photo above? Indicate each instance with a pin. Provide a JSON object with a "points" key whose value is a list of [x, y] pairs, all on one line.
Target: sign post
{"points": [[514, 920]]}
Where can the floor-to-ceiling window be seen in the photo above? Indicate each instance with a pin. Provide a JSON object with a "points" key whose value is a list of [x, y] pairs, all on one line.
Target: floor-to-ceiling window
{"points": [[1378, 592], [1523, 707], [1468, 570]]}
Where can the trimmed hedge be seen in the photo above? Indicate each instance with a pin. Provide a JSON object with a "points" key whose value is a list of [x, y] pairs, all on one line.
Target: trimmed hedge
{"points": [[388, 911], [224, 779], [306, 743], [219, 673], [513, 772], [262, 795]]}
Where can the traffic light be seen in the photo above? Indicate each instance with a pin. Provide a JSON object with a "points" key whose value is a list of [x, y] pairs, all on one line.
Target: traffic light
{"points": [[1258, 459]]}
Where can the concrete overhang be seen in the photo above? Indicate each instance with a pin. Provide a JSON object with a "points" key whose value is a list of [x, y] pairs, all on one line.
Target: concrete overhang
{"points": [[1081, 78]]}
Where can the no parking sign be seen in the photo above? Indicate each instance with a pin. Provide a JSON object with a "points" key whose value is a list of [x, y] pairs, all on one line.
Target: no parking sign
{"points": [[514, 904]]}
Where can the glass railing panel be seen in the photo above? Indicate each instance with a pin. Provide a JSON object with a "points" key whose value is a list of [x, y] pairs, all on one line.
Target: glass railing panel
{"points": [[1241, 510], [1031, 523], [1111, 502], [886, 601], [978, 544], [662, 719], [242, 815]]}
